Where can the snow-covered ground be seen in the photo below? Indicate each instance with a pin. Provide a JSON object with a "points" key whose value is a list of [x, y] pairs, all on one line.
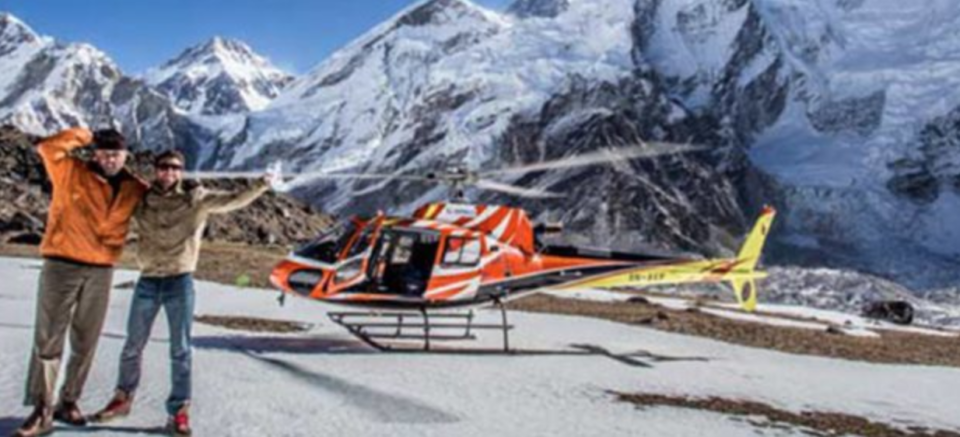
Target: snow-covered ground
{"points": [[324, 382]]}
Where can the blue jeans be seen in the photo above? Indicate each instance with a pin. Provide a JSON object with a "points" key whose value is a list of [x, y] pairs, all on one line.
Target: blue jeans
{"points": [[176, 295]]}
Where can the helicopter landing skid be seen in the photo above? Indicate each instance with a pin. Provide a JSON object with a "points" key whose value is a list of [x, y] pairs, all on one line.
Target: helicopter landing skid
{"points": [[372, 327]]}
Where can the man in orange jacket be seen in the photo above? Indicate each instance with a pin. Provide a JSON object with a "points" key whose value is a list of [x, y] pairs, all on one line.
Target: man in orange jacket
{"points": [[90, 211]]}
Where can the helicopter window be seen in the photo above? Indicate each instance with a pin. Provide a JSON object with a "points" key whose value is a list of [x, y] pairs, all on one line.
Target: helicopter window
{"points": [[349, 270], [403, 251], [454, 247], [462, 251], [471, 253]]}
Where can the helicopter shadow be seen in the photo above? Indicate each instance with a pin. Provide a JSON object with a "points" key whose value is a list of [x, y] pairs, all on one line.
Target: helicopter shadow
{"points": [[380, 405], [277, 344], [97, 429], [336, 345], [632, 358]]}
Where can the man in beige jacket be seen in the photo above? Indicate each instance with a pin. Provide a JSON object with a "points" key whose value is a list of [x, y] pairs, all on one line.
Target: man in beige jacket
{"points": [[170, 220]]}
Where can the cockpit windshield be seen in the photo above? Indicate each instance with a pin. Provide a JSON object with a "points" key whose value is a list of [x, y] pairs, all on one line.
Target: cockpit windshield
{"points": [[330, 244], [362, 242]]}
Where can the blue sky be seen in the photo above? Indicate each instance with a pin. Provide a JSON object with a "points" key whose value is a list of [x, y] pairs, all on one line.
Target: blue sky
{"points": [[139, 34]]}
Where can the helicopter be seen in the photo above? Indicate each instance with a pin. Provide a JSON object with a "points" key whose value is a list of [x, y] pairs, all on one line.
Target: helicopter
{"points": [[409, 275]]}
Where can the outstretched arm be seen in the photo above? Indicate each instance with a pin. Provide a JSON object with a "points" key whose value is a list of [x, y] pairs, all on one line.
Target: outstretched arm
{"points": [[218, 202]]}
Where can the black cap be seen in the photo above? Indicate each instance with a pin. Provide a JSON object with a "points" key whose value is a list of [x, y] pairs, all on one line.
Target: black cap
{"points": [[109, 139], [169, 155]]}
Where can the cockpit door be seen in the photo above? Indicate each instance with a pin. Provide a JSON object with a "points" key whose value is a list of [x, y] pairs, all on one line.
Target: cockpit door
{"points": [[403, 261], [352, 269], [457, 276]]}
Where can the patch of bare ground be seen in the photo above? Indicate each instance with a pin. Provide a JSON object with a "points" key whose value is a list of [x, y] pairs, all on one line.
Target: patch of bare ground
{"points": [[228, 263], [764, 415], [890, 347], [224, 263], [253, 324]]}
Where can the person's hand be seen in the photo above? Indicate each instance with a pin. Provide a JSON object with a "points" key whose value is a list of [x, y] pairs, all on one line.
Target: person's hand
{"points": [[274, 178], [271, 179]]}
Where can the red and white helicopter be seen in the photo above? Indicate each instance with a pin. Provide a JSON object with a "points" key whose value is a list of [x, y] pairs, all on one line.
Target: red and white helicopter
{"points": [[456, 255]]}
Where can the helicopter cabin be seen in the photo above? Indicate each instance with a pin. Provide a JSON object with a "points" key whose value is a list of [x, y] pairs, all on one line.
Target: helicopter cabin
{"points": [[440, 254], [508, 225]]}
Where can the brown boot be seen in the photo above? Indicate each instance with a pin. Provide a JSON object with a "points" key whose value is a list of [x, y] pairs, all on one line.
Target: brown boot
{"points": [[39, 423], [69, 413], [117, 408]]}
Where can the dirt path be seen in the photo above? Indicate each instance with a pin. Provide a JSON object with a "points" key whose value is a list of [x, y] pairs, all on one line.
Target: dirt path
{"points": [[767, 416], [890, 347], [224, 263]]}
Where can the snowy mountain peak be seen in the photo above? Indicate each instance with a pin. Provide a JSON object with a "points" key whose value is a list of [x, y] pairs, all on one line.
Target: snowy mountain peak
{"points": [[538, 8], [398, 54], [433, 12], [15, 34], [11, 25], [220, 76], [219, 48]]}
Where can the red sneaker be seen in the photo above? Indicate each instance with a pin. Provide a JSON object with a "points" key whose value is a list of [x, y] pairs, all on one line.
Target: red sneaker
{"points": [[179, 424], [118, 407]]}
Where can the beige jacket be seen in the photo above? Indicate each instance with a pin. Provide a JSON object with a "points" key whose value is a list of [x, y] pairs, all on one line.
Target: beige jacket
{"points": [[171, 225]]}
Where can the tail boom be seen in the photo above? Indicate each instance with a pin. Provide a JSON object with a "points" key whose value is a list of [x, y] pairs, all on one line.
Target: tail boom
{"points": [[740, 272]]}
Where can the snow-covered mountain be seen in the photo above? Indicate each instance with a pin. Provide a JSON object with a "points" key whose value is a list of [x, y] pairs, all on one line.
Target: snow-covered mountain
{"points": [[847, 90], [221, 76], [47, 85], [447, 83], [41, 80]]}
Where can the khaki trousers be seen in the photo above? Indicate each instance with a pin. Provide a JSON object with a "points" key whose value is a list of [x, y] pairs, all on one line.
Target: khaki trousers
{"points": [[74, 297]]}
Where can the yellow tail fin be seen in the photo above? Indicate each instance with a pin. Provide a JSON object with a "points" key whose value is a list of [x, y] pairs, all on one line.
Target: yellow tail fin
{"points": [[743, 277], [752, 248]]}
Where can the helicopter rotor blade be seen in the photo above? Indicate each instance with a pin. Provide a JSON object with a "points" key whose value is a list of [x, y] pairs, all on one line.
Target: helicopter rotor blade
{"points": [[603, 156], [314, 175], [532, 193], [200, 175], [306, 176], [482, 179]]}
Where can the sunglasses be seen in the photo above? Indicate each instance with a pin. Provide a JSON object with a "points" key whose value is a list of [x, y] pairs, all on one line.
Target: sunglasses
{"points": [[169, 167]]}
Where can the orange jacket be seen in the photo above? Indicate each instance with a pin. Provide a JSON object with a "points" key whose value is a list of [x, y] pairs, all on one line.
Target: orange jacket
{"points": [[86, 223]]}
